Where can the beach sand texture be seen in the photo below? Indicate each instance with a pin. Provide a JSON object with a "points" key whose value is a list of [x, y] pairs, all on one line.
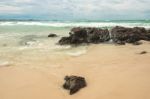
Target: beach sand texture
{"points": [[111, 72]]}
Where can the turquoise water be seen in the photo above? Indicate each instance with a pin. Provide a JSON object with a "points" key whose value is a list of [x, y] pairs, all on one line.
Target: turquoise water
{"points": [[32, 26], [27, 38], [29, 35]]}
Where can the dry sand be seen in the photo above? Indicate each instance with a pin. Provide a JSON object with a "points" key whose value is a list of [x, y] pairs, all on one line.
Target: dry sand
{"points": [[112, 72]]}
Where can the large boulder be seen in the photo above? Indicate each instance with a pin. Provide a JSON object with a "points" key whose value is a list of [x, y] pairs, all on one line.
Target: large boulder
{"points": [[80, 35], [74, 83], [129, 35]]}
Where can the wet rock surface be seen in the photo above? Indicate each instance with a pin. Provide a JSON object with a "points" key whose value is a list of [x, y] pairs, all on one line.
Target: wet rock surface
{"points": [[52, 35], [129, 35], [85, 35], [74, 83], [119, 35]]}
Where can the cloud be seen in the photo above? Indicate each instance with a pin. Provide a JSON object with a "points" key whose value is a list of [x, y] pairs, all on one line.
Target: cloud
{"points": [[77, 9]]}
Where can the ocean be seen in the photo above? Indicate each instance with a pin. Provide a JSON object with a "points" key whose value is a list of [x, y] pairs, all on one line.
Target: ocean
{"points": [[31, 36]]}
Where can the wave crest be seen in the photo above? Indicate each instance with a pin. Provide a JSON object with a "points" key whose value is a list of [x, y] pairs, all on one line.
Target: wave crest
{"points": [[78, 24]]}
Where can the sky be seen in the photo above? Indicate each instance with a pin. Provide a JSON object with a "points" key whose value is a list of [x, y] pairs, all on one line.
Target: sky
{"points": [[75, 9]]}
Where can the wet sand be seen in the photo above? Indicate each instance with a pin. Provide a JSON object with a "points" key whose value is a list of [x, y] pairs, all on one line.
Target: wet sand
{"points": [[111, 71]]}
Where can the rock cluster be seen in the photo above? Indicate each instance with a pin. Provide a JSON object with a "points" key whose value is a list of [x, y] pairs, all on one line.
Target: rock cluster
{"points": [[118, 34], [122, 35]]}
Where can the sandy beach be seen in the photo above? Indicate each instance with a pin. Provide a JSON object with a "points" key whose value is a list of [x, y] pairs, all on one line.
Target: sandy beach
{"points": [[74, 49], [111, 72]]}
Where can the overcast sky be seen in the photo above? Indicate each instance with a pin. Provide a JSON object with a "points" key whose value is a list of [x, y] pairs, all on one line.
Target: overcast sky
{"points": [[75, 9]]}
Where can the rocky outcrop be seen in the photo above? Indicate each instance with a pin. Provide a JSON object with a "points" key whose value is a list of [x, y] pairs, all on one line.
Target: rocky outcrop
{"points": [[119, 35], [85, 35], [129, 35], [74, 83]]}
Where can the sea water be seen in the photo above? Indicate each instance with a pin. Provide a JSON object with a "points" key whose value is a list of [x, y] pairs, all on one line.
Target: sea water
{"points": [[18, 37]]}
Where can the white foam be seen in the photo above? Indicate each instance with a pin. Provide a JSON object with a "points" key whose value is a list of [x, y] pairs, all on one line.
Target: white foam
{"points": [[77, 24], [62, 47], [4, 63], [77, 53]]}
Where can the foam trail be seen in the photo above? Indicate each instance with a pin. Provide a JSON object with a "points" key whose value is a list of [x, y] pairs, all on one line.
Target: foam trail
{"points": [[77, 24]]}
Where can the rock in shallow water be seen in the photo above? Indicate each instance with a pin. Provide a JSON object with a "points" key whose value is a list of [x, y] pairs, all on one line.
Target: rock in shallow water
{"points": [[119, 35], [80, 35], [52, 35], [74, 83], [129, 35]]}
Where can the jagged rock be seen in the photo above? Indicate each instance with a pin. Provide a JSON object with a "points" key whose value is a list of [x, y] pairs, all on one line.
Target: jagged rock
{"points": [[52, 35], [119, 35], [80, 35], [74, 83], [129, 35]]}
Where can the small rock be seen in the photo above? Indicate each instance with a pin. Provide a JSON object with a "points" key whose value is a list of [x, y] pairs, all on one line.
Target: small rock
{"points": [[143, 52], [52, 35], [74, 83]]}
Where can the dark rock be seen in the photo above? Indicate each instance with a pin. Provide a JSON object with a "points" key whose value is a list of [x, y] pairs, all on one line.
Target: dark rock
{"points": [[52, 35], [74, 83], [129, 35], [148, 31], [143, 52], [64, 40], [80, 35], [119, 35], [97, 35]]}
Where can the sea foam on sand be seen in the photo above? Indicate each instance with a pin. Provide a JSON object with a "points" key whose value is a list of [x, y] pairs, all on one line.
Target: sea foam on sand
{"points": [[4, 63]]}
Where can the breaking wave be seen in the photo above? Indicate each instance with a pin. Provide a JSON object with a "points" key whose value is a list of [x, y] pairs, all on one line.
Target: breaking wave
{"points": [[76, 24]]}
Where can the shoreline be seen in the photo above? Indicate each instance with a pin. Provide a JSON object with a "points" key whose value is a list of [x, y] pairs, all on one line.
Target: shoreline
{"points": [[33, 66], [116, 72]]}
